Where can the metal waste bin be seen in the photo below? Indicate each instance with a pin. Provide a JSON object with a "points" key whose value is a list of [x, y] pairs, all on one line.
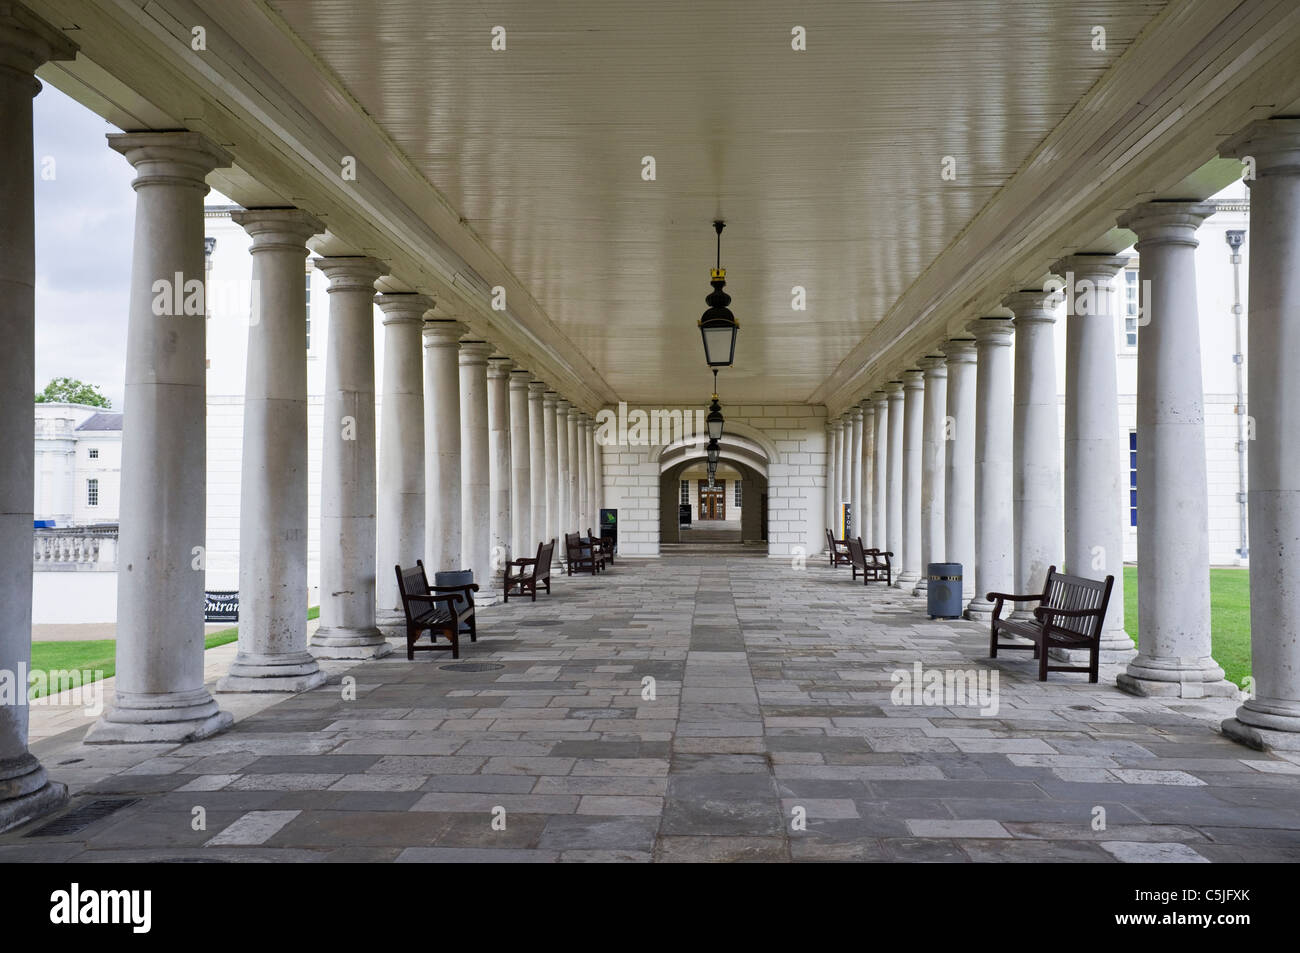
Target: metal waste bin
{"points": [[943, 590]]}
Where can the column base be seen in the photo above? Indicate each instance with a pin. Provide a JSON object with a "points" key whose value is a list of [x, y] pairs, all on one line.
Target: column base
{"points": [[906, 579], [296, 672], [979, 610], [1151, 677], [337, 642], [1261, 739], [922, 587], [26, 793], [170, 718], [391, 624], [1116, 649]]}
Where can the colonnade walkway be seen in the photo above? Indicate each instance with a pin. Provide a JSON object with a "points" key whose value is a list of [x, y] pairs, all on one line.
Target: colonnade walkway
{"points": [[727, 707]]}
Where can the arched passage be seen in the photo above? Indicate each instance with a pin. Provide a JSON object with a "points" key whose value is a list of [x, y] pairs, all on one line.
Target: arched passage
{"points": [[735, 511]]}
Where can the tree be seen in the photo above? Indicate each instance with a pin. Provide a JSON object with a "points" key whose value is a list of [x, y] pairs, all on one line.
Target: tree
{"points": [[68, 390]]}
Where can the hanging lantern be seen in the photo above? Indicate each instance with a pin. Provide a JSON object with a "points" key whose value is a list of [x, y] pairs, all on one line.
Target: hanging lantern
{"points": [[718, 326]]}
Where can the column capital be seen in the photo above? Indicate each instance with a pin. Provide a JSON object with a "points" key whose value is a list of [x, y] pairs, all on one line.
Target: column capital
{"points": [[879, 397], [934, 365], [1166, 223], [520, 379], [562, 405], [868, 406], [574, 413], [1093, 266], [855, 412], [170, 158], [997, 331], [536, 389], [27, 42], [499, 368], [442, 333], [893, 390], [403, 308], [474, 352], [913, 379], [1274, 144], [278, 229], [1033, 305], [352, 272], [549, 399], [959, 351]]}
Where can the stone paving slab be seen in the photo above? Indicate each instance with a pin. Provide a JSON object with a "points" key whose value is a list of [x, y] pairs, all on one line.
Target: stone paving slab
{"points": [[694, 708]]}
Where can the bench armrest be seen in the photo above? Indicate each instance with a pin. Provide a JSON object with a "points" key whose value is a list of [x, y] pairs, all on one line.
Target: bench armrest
{"points": [[471, 586], [431, 599], [1008, 597], [523, 561]]}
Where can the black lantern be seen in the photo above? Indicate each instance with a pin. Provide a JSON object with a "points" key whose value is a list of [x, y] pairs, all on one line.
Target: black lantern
{"points": [[715, 419], [718, 325], [712, 451]]}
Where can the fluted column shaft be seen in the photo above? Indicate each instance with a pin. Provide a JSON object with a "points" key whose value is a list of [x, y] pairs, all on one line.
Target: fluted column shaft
{"points": [[1272, 717], [475, 463], [442, 533], [994, 485], [1036, 445], [913, 428], [26, 792], [933, 473], [521, 495], [1095, 455], [563, 466], [894, 474], [272, 653], [552, 447], [584, 474], [880, 471], [160, 685], [959, 462], [537, 467], [499, 475], [348, 493], [571, 458], [865, 524], [1174, 656]]}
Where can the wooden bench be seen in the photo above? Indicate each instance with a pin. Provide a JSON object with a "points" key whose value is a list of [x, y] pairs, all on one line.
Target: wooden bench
{"points": [[532, 572], [433, 609], [874, 564], [838, 550], [1070, 615], [606, 545], [581, 555]]}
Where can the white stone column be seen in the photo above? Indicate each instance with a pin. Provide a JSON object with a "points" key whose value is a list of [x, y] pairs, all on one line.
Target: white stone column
{"points": [[868, 411], [933, 472], [894, 476], [442, 536], [831, 467], [272, 653], [539, 533], [475, 464], [552, 449], [400, 520], [1095, 488], [1174, 657], [1036, 444], [1271, 719], [348, 497], [584, 508], [913, 428], [880, 470], [597, 476], [855, 468], [499, 475], [160, 686], [26, 792], [571, 458], [959, 462], [994, 486], [563, 466], [521, 496]]}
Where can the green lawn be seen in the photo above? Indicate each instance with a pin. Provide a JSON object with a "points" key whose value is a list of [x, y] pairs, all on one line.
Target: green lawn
{"points": [[99, 655], [1229, 617]]}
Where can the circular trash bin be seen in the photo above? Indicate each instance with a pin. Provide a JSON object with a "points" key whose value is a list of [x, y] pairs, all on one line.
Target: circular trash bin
{"points": [[943, 590]]}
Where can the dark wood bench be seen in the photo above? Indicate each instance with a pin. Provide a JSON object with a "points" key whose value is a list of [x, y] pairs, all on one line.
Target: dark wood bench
{"points": [[581, 556], [438, 610], [1070, 615], [606, 546], [531, 573], [838, 550], [874, 564]]}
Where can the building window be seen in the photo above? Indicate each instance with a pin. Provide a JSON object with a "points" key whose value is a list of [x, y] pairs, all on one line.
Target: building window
{"points": [[1131, 304], [686, 491], [309, 305], [94, 453], [1132, 478], [737, 494], [92, 492]]}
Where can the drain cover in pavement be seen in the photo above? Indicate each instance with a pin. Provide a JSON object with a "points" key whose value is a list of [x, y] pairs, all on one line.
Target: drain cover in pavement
{"points": [[79, 818], [472, 666]]}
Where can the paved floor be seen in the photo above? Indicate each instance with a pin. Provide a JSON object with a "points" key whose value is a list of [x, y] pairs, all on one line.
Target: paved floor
{"points": [[693, 708]]}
